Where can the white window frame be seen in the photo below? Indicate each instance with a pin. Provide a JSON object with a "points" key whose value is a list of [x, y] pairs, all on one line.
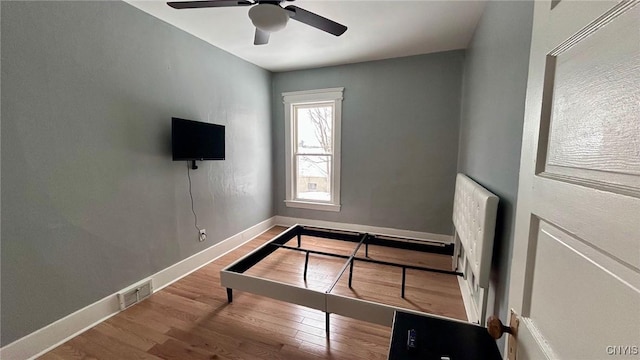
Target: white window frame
{"points": [[334, 96]]}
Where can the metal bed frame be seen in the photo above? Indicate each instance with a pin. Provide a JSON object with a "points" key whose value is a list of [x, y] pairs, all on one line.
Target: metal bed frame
{"points": [[474, 218], [234, 277]]}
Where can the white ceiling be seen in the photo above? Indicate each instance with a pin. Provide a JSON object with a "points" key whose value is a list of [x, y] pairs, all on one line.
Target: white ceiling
{"points": [[376, 30]]}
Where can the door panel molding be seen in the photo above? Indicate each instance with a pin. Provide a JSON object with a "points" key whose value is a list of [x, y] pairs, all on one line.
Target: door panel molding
{"points": [[580, 293], [620, 8], [528, 333], [590, 93], [597, 220]]}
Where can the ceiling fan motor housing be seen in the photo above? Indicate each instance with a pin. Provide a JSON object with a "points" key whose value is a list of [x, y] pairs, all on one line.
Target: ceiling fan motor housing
{"points": [[268, 17]]}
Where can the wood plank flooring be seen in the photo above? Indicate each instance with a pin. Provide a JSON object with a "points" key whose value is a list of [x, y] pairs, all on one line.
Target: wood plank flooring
{"points": [[191, 319]]}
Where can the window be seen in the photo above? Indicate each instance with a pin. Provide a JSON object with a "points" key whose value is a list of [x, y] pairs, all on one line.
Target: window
{"points": [[312, 127]]}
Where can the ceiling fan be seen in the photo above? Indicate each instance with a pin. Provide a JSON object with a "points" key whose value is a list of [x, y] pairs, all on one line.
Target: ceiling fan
{"points": [[268, 16]]}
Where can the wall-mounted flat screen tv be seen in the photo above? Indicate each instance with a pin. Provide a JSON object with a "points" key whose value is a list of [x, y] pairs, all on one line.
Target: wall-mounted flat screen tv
{"points": [[195, 140]]}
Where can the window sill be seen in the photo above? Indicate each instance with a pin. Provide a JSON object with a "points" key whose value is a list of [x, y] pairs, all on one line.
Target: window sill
{"points": [[312, 205]]}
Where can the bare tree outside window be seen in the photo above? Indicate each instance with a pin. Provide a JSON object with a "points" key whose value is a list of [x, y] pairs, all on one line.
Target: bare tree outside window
{"points": [[321, 119]]}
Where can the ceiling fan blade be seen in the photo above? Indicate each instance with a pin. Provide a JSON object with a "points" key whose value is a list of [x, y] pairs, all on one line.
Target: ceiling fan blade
{"points": [[207, 4], [316, 20], [261, 37]]}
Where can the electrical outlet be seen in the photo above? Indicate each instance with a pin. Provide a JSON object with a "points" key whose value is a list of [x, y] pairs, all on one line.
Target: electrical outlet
{"points": [[203, 234]]}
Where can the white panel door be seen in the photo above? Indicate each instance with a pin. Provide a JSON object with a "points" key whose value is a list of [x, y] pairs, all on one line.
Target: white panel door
{"points": [[575, 276]]}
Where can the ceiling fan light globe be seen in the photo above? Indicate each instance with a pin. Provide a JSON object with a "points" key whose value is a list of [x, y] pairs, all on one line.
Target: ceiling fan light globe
{"points": [[268, 17]]}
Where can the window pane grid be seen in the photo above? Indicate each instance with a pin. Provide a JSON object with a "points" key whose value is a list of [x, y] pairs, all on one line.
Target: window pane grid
{"points": [[313, 178], [313, 128]]}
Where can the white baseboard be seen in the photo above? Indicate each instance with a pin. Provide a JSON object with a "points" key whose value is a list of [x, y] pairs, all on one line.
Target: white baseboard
{"points": [[185, 267], [290, 221], [467, 299], [56, 333]]}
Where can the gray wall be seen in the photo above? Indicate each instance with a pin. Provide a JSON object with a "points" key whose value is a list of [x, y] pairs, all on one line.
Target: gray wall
{"points": [[495, 79], [400, 122], [91, 201]]}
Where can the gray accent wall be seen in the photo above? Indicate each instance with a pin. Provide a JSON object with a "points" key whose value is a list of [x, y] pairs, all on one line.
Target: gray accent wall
{"points": [[400, 121], [495, 80], [91, 200]]}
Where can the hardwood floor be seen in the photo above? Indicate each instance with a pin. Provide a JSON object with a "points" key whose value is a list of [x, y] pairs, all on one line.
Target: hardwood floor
{"points": [[191, 319], [428, 292]]}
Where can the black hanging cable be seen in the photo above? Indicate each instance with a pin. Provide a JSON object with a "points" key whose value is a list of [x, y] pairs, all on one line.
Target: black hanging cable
{"points": [[195, 216]]}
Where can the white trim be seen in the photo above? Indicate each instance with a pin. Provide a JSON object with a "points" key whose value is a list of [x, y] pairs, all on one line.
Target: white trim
{"points": [[312, 205], [290, 221], [334, 95], [337, 155], [313, 95], [58, 332], [467, 300]]}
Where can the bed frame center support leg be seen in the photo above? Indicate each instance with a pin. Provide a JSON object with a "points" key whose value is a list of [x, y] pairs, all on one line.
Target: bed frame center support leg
{"points": [[306, 265], [299, 240], [350, 272], [366, 250], [229, 295], [404, 279], [327, 328]]}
